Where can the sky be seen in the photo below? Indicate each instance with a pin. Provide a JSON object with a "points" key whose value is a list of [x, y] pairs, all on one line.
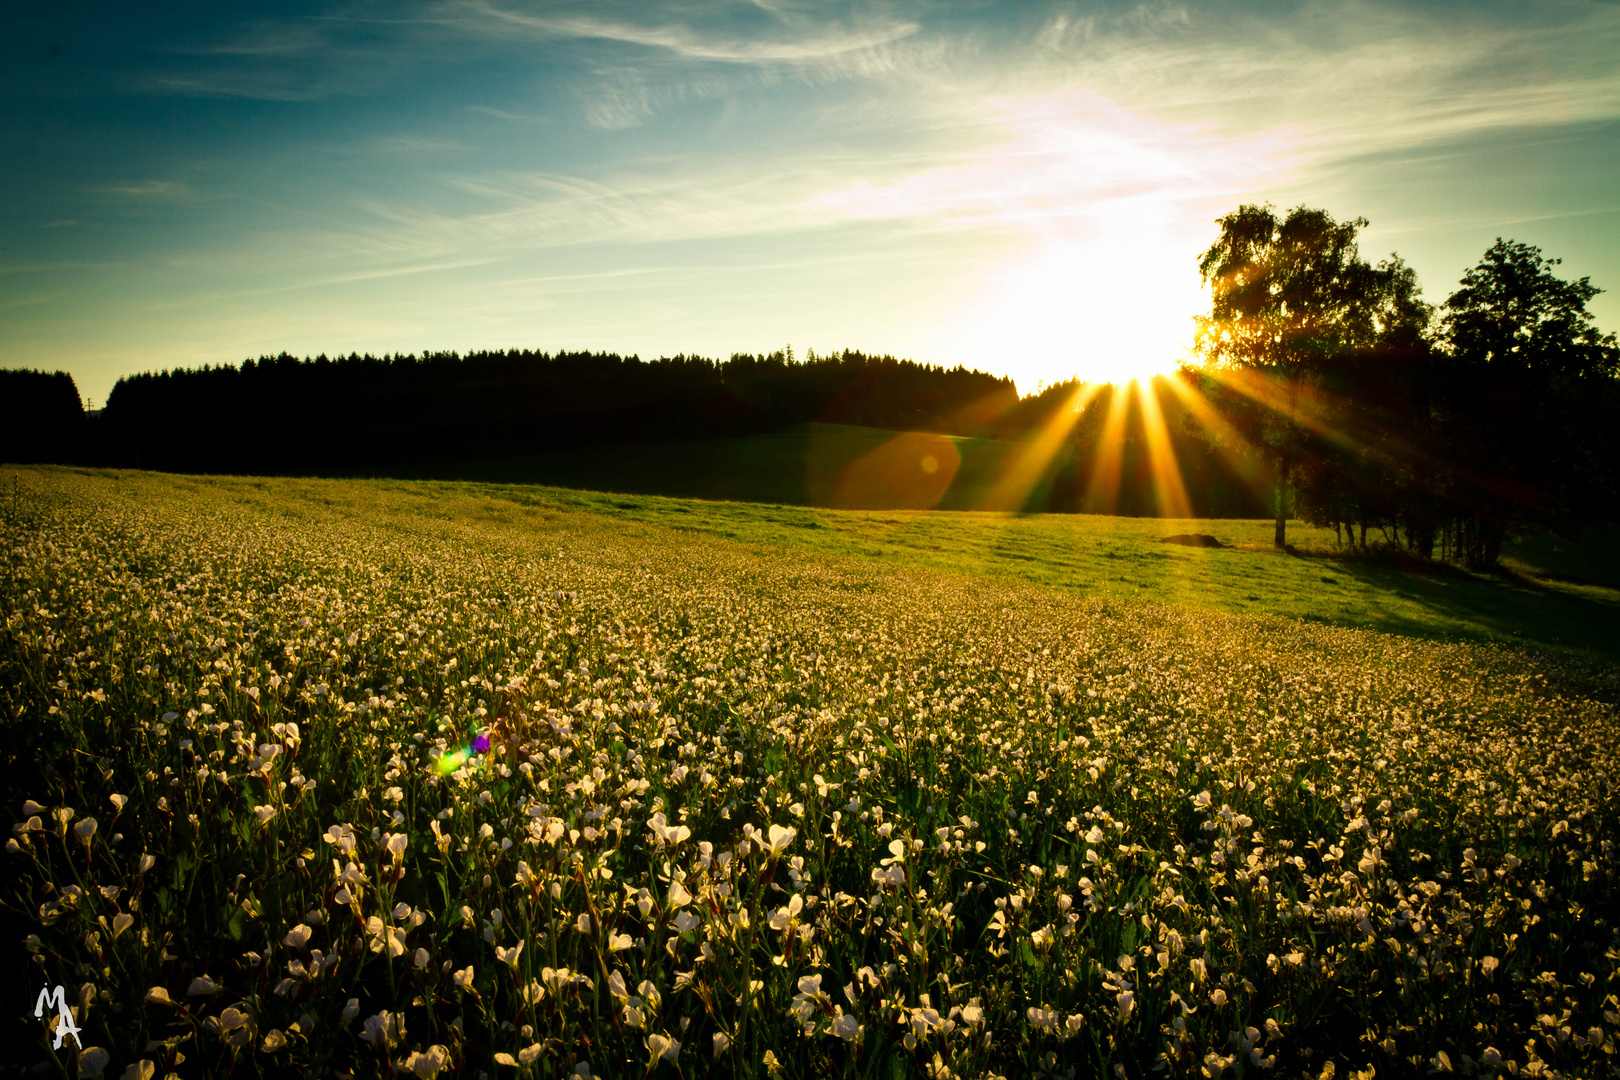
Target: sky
{"points": [[1021, 188]]}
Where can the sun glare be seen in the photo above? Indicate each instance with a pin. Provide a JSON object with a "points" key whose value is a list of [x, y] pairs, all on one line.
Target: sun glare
{"points": [[1109, 310], [1114, 206]]}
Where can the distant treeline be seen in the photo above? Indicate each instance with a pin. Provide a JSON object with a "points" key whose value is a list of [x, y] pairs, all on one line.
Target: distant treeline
{"points": [[283, 415], [41, 418], [280, 414]]}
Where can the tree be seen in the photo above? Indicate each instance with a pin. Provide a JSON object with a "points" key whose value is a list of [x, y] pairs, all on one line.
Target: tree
{"points": [[41, 417], [1530, 398], [1286, 295], [1371, 457]]}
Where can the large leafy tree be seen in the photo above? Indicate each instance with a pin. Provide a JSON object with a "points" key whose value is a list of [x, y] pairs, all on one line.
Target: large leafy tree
{"points": [[1530, 398], [1288, 296]]}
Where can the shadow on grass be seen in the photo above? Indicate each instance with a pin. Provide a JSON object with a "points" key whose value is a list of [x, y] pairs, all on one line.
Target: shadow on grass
{"points": [[1508, 604]]}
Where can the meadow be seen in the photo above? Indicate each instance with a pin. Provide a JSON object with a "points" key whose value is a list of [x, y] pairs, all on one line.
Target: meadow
{"points": [[774, 489], [382, 778]]}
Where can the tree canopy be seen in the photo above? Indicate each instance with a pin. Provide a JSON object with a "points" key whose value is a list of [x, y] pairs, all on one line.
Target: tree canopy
{"points": [[282, 414], [1290, 298], [1528, 400], [41, 417], [1284, 292], [1513, 316]]}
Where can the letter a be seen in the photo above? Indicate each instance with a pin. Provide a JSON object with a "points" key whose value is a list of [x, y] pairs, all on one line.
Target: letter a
{"points": [[65, 1025]]}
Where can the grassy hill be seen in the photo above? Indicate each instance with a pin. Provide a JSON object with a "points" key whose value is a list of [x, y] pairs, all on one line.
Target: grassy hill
{"points": [[1122, 557], [834, 465], [1593, 559], [773, 489], [1553, 596]]}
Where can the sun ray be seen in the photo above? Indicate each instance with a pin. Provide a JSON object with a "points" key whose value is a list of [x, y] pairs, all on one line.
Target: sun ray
{"points": [[1029, 463], [1320, 414], [1248, 468], [1309, 409], [1168, 486], [1102, 487]]}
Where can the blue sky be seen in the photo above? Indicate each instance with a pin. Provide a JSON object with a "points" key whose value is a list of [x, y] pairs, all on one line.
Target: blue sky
{"points": [[1022, 188]]}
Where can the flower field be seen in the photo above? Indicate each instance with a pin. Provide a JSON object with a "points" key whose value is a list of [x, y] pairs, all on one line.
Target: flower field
{"points": [[338, 778]]}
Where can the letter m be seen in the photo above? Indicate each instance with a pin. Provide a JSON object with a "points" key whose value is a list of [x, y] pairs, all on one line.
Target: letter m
{"points": [[65, 1025]]}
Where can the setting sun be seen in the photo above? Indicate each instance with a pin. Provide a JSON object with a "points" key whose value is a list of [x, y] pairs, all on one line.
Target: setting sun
{"points": [[1073, 310]]}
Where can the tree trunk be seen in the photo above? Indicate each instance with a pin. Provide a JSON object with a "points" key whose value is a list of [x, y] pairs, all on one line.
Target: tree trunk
{"points": [[1492, 534], [1422, 539], [1280, 538], [1285, 465]]}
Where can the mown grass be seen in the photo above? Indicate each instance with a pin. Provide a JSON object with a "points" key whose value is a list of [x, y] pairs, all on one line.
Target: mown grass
{"points": [[405, 779]]}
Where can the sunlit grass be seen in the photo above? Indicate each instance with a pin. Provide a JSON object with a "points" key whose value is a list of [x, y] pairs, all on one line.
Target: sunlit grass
{"points": [[1121, 557], [372, 777]]}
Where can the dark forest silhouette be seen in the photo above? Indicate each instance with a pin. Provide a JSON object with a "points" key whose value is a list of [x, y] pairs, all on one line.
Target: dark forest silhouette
{"points": [[1330, 391], [280, 414], [41, 418]]}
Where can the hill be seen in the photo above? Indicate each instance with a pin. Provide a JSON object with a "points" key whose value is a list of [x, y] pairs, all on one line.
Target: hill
{"points": [[831, 465], [1553, 597]]}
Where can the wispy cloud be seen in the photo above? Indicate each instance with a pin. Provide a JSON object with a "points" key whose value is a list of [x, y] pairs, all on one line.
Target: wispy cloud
{"points": [[392, 145], [353, 49], [144, 189], [349, 49], [318, 281], [503, 114], [1107, 196], [252, 85], [1068, 155], [30, 300], [1349, 71], [1354, 74], [792, 40], [265, 37]]}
